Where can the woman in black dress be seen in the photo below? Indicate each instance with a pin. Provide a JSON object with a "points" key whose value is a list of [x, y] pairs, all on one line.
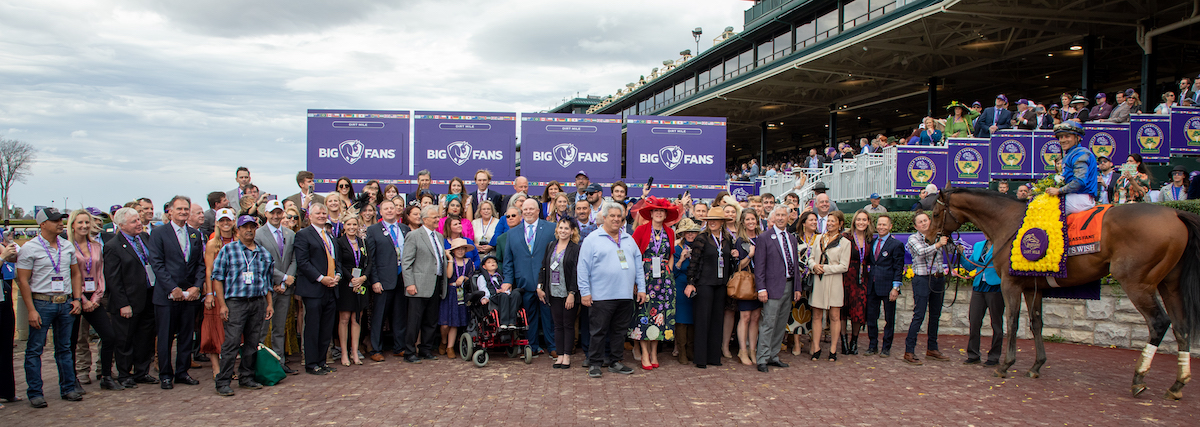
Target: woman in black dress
{"points": [[352, 295], [713, 256]]}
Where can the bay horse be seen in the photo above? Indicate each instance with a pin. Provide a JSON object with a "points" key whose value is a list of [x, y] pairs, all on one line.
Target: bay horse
{"points": [[1152, 250]]}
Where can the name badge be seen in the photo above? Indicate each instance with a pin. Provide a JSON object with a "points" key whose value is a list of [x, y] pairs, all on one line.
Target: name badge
{"points": [[656, 267], [621, 256], [554, 265], [89, 284], [248, 277], [720, 267], [555, 278], [355, 273], [58, 284], [459, 291]]}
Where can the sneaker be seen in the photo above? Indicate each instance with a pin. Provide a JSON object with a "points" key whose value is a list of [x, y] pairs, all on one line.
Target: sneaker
{"points": [[593, 372], [619, 368], [73, 396]]}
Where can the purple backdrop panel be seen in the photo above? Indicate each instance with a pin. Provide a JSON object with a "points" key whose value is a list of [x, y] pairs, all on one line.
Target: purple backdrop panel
{"points": [[1013, 154], [743, 189], [359, 144], [968, 160], [1048, 150], [1107, 139], [1185, 130], [557, 146], [450, 144], [1148, 136], [918, 166], [675, 149]]}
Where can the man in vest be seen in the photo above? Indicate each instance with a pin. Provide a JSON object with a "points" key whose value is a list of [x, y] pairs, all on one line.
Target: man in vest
{"points": [[1079, 175]]}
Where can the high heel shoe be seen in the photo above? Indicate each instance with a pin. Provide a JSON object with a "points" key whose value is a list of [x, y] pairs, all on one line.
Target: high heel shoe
{"points": [[745, 360], [833, 357], [345, 363], [816, 355]]}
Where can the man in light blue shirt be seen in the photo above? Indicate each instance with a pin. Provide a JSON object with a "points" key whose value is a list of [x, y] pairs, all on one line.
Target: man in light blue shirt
{"points": [[610, 271]]}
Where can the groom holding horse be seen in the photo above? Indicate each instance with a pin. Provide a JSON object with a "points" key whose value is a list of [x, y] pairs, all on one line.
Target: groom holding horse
{"points": [[1079, 170]]}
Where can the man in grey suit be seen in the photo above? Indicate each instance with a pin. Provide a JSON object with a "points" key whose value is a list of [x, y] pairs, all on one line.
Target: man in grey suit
{"points": [[523, 257], [424, 265], [278, 241], [385, 245], [243, 188], [306, 197]]}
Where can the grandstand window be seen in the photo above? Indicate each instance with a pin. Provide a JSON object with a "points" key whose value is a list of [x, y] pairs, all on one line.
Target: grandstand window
{"points": [[716, 74], [689, 87], [783, 45], [631, 111], [881, 7], [766, 52], [827, 25], [680, 91], [746, 60], [806, 34], [731, 68], [644, 106], [854, 13]]}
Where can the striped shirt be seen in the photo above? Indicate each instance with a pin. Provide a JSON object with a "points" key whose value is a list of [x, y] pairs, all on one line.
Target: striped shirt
{"points": [[233, 260]]}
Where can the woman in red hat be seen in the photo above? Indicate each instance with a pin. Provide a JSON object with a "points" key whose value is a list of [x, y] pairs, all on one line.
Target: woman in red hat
{"points": [[655, 319]]}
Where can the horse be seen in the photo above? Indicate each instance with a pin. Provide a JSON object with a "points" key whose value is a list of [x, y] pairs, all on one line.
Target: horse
{"points": [[1141, 245]]}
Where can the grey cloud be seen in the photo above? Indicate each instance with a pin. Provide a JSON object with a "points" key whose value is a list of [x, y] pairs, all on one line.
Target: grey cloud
{"points": [[238, 18]]}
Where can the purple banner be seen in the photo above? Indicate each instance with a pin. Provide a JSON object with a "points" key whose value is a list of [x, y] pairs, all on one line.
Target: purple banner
{"points": [[743, 189], [1107, 139], [1013, 153], [1048, 150], [1185, 130], [1148, 136], [557, 146], [675, 150], [919, 166], [358, 144], [450, 144], [968, 160]]}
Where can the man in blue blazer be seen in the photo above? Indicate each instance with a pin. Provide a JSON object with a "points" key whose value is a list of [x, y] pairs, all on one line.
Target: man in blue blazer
{"points": [[523, 255], [985, 297], [886, 261], [994, 118], [177, 260], [316, 284], [385, 246], [777, 264]]}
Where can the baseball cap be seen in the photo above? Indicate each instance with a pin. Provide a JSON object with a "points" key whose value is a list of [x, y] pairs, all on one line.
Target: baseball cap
{"points": [[593, 188], [1129, 92], [1100, 95], [48, 214], [976, 104], [114, 208], [95, 212], [246, 219], [225, 213], [1002, 97], [1022, 101], [273, 205], [874, 196], [585, 175], [1102, 157]]}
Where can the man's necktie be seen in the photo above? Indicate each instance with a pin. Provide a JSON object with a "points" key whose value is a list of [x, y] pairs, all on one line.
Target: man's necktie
{"points": [[179, 233], [878, 246], [787, 248], [529, 232], [328, 252], [279, 240]]}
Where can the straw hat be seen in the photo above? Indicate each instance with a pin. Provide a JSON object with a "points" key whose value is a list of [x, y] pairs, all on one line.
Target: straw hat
{"points": [[685, 225], [716, 215], [460, 243]]}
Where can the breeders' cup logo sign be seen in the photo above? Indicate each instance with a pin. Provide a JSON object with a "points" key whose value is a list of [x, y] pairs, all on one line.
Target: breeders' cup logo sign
{"points": [[1191, 129], [1011, 154], [922, 170], [460, 152], [1149, 138], [566, 153], [967, 161], [352, 150], [1052, 151], [1102, 144], [672, 156], [740, 194]]}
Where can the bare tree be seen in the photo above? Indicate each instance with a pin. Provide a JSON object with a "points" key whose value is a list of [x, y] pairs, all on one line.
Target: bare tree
{"points": [[16, 162]]}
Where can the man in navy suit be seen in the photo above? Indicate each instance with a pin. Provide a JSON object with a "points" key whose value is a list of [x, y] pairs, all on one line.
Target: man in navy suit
{"points": [[777, 264], [886, 261], [994, 118], [523, 257], [177, 259], [385, 246], [317, 286]]}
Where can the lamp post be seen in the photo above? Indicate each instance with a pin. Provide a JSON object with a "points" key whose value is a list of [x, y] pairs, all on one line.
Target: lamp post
{"points": [[696, 35]]}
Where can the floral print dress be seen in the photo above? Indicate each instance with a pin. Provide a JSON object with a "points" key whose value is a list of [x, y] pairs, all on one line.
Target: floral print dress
{"points": [[655, 320]]}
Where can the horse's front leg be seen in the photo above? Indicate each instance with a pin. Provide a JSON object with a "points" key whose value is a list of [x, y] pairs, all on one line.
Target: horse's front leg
{"points": [[1012, 312], [1033, 299]]}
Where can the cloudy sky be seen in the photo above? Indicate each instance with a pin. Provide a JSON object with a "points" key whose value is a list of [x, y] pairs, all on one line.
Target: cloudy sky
{"points": [[134, 98]]}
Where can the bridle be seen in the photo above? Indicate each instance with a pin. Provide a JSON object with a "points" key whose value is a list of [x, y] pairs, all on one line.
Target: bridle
{"points": [[956, 236]]}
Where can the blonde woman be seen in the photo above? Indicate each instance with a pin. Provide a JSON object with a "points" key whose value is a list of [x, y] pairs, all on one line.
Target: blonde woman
{"points": [[90, 261], [485, 225], [336, 206], [352, 297], [212, 330]]}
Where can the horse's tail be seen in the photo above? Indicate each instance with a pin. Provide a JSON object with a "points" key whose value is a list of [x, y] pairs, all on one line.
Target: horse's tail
{"points": [[1189, 280]]}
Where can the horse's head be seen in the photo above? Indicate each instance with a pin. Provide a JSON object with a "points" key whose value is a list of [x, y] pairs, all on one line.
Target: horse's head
{"points": [[942, 220]]}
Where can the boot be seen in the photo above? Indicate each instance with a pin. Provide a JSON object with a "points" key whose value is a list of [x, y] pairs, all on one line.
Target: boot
{"points": [[681, 342], [844, 344], [854, 344]]}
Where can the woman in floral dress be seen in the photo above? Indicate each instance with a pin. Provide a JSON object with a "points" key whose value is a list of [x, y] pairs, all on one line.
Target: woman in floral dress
{"points": [[655, 319]]}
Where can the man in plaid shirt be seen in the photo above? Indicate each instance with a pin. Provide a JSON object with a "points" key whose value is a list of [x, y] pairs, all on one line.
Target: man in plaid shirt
{"points": [[929, 286], [241, 283]]}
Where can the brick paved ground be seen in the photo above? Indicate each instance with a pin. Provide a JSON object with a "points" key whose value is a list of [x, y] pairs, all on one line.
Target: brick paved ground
{"points": [[1080, 385]]}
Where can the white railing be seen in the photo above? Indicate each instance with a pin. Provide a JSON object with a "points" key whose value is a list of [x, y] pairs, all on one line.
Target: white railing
{"points": [[850, 179]]}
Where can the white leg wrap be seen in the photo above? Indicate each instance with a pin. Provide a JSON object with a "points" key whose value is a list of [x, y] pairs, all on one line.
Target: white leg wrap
{"points": [[1185, 366], [1147, 357]]}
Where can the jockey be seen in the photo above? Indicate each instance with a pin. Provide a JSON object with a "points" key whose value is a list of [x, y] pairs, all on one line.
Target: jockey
{"points": [[1079, 173]]}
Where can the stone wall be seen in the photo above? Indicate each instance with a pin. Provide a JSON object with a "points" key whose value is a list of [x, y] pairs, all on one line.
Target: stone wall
{"points": [[1111, 321]]}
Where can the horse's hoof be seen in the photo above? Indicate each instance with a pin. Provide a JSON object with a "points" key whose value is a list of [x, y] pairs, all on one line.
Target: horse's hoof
{"points": [[1000, 373], [1173, 395], [1138, 389], [1032, 374]]}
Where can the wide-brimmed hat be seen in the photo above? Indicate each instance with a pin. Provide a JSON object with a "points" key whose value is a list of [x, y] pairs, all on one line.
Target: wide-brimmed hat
{"points": [[652, 204], [716, 215], [685, 225], [459, 243], [730, 200], [956, 104], [1079, 99], [1179, 168]]}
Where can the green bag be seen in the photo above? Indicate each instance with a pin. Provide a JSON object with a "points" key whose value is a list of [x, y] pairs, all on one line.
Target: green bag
{"points": [[267, 368]]}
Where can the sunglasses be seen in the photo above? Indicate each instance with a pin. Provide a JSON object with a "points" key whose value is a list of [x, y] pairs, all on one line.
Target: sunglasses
{"points": [[293, 217], [343, 185], [512, 215]]}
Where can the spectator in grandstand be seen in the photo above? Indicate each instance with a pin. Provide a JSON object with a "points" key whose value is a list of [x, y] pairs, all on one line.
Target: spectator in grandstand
{"points": [[1185, 88], [1023, 119], [1102, 110], [1177, 189], [874, 207], [994, 118], [814, 160], [1043, 119], [958, 125], [930, 135], [1078, 110], [864, 146], [1125, 105], [1168, 101]]}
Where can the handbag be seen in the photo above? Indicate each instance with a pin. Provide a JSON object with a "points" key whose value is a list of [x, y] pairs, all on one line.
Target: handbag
{"points": [[741, 286], [267, 368]]}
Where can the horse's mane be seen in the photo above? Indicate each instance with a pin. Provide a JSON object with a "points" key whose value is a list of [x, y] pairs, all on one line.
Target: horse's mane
{"points": [[981, 192]]}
